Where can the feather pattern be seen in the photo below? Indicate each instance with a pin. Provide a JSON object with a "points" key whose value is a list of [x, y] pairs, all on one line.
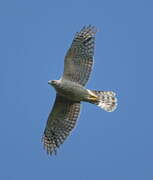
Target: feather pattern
{"points": [[61, 121], [106, 100], [79, 58]]}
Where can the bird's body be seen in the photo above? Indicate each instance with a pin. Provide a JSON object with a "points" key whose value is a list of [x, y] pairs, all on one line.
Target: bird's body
{"points": [[71, 91]]}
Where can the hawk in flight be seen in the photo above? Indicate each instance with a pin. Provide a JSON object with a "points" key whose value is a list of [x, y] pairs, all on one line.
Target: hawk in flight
{"points": [[70, 90]]}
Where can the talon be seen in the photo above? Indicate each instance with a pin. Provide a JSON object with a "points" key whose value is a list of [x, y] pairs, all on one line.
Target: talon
{"points": [[93, 98]]}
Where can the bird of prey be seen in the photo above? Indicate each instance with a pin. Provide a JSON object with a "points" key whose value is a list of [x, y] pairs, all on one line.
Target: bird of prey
{"points": [[70, 91]]}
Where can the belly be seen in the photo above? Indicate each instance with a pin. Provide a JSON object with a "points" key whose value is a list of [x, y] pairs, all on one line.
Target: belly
{"points": [[73, 91]]}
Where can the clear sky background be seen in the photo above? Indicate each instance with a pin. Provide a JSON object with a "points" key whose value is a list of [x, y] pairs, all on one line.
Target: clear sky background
{"points": [[34, 37]]}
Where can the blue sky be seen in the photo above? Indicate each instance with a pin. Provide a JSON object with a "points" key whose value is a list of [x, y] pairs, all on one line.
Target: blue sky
{"points": [[34, 37]]}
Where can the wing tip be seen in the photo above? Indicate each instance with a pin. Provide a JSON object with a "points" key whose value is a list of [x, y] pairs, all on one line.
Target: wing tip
{"points": [[49, 146], [89, 30], [92, 29]]}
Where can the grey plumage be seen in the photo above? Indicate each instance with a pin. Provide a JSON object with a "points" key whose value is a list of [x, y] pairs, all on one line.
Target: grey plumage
{"points": [[71, 91], [79, 58], [61, 121]]}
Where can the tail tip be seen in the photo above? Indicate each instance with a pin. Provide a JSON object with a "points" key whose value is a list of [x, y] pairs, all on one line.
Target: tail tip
{"points": [[108, 101]]}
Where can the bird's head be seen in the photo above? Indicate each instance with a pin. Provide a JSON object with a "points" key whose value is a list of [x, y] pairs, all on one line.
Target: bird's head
{"points": [[54, 83]]}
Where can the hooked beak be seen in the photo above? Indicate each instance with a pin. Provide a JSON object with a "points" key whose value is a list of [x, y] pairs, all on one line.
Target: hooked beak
{"points": [[50, 81]]}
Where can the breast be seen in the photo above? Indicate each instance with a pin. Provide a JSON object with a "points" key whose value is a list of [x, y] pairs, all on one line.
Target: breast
{"points": [[72, 91]]}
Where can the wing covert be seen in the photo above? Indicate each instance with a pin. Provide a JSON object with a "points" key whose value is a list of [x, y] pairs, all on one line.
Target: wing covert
{"points": [[79, 58], [61, 121]]}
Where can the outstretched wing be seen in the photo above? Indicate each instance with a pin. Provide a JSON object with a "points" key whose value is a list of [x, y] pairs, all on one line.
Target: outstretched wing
{"points": [[61, 121], [79, 58]]}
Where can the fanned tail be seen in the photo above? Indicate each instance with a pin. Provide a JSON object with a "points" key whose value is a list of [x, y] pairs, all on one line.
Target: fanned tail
{"points": [[106, 100]]}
